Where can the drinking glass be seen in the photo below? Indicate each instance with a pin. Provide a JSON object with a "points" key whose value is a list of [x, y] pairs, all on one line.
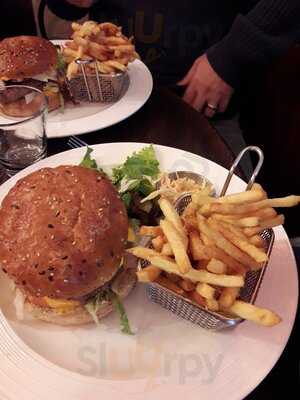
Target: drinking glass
{"points": [[23, 140]]}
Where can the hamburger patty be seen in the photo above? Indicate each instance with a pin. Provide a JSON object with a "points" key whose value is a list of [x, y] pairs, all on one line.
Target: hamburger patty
{"points": [[62, 232]]}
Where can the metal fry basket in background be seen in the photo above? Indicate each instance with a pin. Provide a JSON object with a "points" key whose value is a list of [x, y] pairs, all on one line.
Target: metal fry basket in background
{"points": [[186, 308], [97, 87]]}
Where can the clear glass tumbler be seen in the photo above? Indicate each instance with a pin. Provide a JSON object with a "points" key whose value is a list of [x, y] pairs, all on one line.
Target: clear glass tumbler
{"points": [[23, 141]]}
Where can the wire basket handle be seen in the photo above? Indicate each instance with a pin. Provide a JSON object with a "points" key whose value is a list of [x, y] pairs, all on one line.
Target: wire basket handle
{"points": [[236, 162]]}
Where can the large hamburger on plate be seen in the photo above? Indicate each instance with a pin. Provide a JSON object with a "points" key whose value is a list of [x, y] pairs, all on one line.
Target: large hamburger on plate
{"points": [[63, 233], [30, 61]]}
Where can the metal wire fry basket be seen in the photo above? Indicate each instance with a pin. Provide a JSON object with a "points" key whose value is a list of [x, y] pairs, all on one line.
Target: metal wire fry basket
{"points": [[96, 87], [186, 308]]}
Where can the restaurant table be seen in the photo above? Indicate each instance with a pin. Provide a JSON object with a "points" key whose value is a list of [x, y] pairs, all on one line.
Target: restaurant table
{"points": [[165, 119]]}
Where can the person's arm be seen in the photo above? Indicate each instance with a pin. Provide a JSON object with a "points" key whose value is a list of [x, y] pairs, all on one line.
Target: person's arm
{"points": [[265, 33], [70, 10]]}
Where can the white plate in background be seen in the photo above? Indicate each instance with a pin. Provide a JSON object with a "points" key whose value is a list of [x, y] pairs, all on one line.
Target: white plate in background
{"points": [[88, 117]]}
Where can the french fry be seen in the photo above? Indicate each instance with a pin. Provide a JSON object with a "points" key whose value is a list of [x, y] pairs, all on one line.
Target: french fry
{"points": [[151, 231], [162, 280], [109, 27], [266, 224], [264, 213], [194, 275], [75, 26], [236, 231], [114, 40], [253, 313], [186, 285], [233, 265], [148, 274], [71, 45], [98, 54], [228, 297], [173, 277], [69, 52], [200, 199], [242, 222], [68, 59], [171, 214], [257, 186], [257, 241], [122, 60], [158, 243], [205, 290], [216, 266], [104, 69], [202, 264], [248, 196], [79, 41], [190, 210], [124, 48], [224, 208], [239, 242], [80, 52], [197, 247], [177, 245], [223, 243], [143, 252], [190, 222], [212, 304], [206, 240], [72, 69], [197, 298], [167, 250], [115, 64]]}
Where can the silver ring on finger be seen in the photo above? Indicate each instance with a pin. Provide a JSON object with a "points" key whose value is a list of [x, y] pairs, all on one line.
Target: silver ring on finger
{"points": [[212, 107]]}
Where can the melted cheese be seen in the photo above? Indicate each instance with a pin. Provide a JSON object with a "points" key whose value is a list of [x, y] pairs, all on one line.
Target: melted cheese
{"points": [[62, 306]]}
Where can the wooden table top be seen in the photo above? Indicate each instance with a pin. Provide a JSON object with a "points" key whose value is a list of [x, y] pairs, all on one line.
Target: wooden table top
{"points": [[165, 119]]}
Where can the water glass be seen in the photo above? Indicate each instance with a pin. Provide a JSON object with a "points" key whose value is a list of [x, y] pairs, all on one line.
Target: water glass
{"points": [[23, 140]]}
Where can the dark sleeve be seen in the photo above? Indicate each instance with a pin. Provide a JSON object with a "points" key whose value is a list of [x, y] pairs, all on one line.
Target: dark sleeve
{"points": [[266, 32], [65, 10]]}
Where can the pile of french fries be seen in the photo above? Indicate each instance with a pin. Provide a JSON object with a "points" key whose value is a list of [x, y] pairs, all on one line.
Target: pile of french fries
{"points": [[104, 43], [205, 253]]}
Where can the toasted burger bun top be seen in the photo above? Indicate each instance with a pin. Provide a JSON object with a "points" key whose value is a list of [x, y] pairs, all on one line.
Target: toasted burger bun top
{"points": [[26, 56], [62, 232]]}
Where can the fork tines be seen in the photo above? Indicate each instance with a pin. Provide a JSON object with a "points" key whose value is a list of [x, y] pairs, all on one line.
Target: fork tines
{"points": [[75, 142]]}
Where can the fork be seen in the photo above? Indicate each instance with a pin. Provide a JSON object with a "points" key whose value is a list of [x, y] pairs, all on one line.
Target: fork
{"points": [[75, 142]]}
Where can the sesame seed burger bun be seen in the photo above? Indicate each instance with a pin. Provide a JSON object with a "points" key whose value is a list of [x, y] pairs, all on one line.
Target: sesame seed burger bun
{"points": [[26, 56], [62, 232]]}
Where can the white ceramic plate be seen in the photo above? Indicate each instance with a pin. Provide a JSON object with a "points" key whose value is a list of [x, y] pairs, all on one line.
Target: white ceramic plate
{"points": [[168, 357], [88, 117]]}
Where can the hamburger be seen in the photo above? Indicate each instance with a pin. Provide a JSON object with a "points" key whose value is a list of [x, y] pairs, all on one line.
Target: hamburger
{"points": [[30, 61], [63, 233]]}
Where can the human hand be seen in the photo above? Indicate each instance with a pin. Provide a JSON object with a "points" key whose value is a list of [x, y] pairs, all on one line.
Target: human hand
{"points": [[205, 90], [81, 3]]}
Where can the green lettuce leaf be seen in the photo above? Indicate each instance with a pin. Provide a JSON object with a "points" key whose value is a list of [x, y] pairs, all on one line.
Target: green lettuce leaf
{"points": [[119, 308], [93, 305], [60, 65], [88, 161], [126, 197], [139, 165]]}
